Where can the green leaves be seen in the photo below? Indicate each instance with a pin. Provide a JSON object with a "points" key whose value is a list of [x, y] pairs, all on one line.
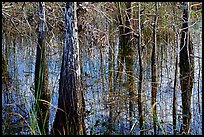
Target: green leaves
{"points": [[197, 25], [192, 13], [200, 13]]}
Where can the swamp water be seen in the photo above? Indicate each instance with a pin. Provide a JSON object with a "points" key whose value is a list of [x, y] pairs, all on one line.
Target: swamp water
{"points": [[107, 102]]}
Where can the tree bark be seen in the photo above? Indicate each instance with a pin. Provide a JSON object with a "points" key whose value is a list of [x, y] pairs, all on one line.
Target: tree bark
{"points": [[154, 68], [186, 70], [121, 57], [175, 79], [111, 76], [174, 95], [140, 76], [128, 53], [42, 93], [70, 116], [121, 46]]}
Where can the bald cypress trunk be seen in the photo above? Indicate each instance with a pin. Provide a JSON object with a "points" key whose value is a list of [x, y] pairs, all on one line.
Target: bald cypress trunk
{"points": [[70, 116], [186, 70], [42, 93]]}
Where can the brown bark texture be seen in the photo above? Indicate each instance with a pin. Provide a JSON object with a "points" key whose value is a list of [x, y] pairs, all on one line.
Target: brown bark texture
{"points": [[186, 71], [70, 116]]}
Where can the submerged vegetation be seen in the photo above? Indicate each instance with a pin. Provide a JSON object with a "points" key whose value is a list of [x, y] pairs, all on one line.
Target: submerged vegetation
{"points": [[119, 68]]}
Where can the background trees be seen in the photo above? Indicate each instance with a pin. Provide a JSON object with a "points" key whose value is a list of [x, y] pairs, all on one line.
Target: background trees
{"points": [[122, 80]]}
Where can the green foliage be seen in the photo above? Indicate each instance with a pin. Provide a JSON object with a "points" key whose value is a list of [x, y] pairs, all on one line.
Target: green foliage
{"points": [[197, 25], [192, 13], [200, 13]]}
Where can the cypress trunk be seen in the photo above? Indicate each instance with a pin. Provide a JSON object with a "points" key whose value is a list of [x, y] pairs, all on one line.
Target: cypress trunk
{"points": [[70, 116]]}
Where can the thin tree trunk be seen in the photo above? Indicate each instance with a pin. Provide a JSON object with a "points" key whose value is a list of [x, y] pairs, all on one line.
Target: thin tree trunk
{"points": [[175, 79], [199, 69], [128, 53], [161, 75], [174, 94], [186, 70], [7, 45], [110, 84], [120, 60], [154, 68], [70, 116], [42, 93], [4, 65], [121, 47], [140, 77]]}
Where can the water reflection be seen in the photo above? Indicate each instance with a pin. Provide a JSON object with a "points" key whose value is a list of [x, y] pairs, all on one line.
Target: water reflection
{"points": [[106, 96]]}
